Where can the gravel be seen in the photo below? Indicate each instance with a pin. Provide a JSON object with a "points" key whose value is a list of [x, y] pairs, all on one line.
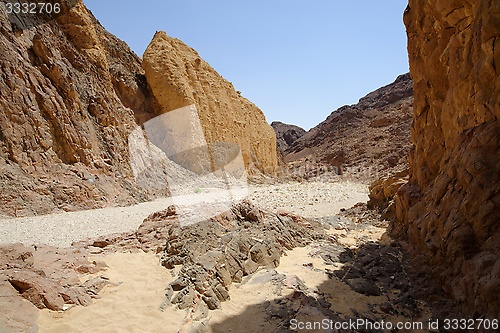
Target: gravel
{"points": [[313, 199]]}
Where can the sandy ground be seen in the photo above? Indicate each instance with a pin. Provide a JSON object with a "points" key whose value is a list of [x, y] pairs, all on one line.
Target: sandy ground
{"points": [[133, 303], [309, 199]]}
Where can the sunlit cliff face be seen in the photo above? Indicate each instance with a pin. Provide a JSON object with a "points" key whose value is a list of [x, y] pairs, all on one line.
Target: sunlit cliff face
{"points": [[449, 209]]}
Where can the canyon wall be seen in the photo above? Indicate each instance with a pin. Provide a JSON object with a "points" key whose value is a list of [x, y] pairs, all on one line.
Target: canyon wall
{"points": [[449, 211], [179, 78], [71, 94]]}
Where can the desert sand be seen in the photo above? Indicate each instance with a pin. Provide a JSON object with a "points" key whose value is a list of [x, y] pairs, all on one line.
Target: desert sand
{"points": [[309, 199], [133, 301]]}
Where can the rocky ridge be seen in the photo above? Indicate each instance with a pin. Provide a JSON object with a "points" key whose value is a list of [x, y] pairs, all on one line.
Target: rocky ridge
{"points": [[64, 115], [72, 94], [361, 277], [179, 78], [367, 139]]}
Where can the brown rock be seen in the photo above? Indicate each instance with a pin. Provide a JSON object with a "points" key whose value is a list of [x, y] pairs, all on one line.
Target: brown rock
{"points": [[449, 210], [286, 134], [71, 94], [383, 194], [48, 276], [366, 140], [179, 77], [217, 252]]}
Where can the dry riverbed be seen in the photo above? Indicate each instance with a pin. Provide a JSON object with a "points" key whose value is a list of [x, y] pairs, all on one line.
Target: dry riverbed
{"points": [[310, 283]]}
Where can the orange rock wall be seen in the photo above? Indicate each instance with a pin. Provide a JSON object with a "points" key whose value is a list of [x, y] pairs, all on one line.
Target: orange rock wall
{"points": [[450, 209], [178, 77]]}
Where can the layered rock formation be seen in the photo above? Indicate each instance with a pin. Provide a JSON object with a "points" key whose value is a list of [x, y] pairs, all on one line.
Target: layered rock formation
{"points": [[286, 134], [215, 252], [179, 78], [369, 138], [72, 93], [449, 210]]}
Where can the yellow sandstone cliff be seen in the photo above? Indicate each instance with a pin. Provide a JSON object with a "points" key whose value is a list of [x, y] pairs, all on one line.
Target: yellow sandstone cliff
{"points": [[178, 78], [71, 95]]}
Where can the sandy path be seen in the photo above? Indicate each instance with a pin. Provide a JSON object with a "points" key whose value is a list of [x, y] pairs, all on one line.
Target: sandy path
{"points": [[131, 306], [63, 229], [309, 199], [314, 199]]}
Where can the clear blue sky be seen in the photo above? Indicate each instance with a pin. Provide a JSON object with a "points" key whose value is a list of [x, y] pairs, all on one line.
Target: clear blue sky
{"points": [[296, 60]]}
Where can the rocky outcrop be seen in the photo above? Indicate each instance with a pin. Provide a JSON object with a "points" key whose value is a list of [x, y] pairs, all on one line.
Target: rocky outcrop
{"points": [[215, 252], [72, 95], [48, 277], [449, 210], [369, 139], [286, 134], [383, 193], [179, 78]]}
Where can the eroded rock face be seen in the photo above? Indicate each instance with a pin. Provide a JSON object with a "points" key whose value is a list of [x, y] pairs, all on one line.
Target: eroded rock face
{"points": [[71, 93], [179, 78], [449, 210]]}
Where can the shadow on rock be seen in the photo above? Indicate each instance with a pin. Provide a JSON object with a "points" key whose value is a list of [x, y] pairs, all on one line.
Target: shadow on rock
{"points": [[370, 285]]}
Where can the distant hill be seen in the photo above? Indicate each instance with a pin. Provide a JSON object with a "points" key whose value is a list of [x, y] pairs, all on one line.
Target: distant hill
{"points": [[368, 139], [286, 134]]}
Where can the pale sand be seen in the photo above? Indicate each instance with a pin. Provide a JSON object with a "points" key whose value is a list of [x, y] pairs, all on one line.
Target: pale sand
{"points": [[131, 306], [313, 199], [134, 304], [309, 199]]}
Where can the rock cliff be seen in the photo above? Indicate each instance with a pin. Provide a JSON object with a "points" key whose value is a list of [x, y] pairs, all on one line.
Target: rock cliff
{"points": [[286, 134], [179, 78], [370, 138], [72, 93], [450, 209]]}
